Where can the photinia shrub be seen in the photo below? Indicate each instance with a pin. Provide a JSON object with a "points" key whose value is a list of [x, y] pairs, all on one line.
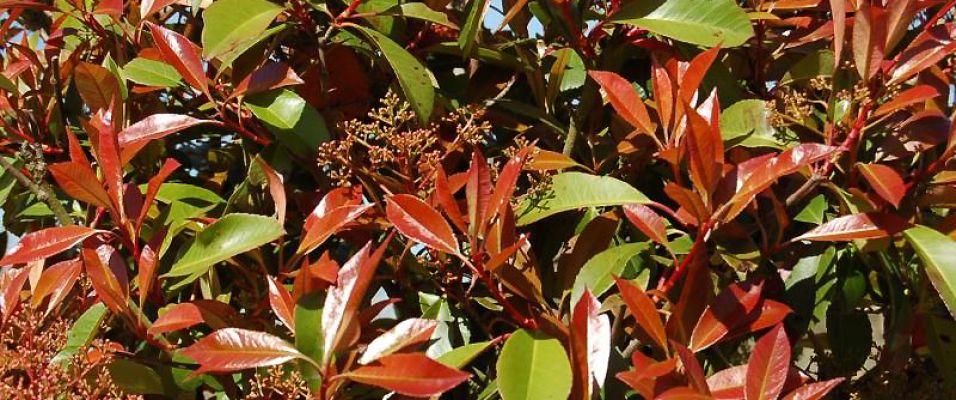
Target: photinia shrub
{"points": [[525, 200]]}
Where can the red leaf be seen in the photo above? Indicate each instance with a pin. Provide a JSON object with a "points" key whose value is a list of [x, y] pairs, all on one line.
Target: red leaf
{"points": [[728, 384], [56, 282], [688, 200], [499, 259], [45, 243], [312, 277], [682, 393], [109, 7], [76, 150], [885, 181], [335, 198], [856, 226], [12, 283], [705, 150], [647, 221], [869, 39], [417, 220], [813, 391], [147, 263], [108, 156], [761, 175], [545, 160], [152, 189], [692, 368], [838, 9], [80, 182], [505, 186], [276, 189], [477, 192], [590, 344], [446, 200], [695, 73], [182, 54], [96, 85], [642, 377], [625, 100], [663, 94], [107, 274], [644, 311], [234, 349], [729, 309], [928, 49], [281, 302], [177, 316], [768, 366], [135, 137], [148, 7], [328, 224], [411, 374], [771, 313], [272, 75], [343, 300], [911, 96], [405, 334]]}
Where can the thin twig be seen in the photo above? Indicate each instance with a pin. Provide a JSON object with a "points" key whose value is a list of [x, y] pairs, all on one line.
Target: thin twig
{"points": [[42, 192]]}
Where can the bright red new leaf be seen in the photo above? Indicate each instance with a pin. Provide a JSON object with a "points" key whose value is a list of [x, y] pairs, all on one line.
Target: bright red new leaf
{"points": [[644, 311], [417, 220], [412, 374], [56, 282], [177, 316], [157, 126], [234, 349], [856, 226], [281, 302], [44, 243], [768, 366], [885, 181], [625, 100], [183, 55], [403, 335]]}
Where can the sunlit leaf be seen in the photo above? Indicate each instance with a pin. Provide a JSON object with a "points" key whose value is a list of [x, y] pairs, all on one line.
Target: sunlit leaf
{"points": [[412, 374], [234, 349], [533, 366]]}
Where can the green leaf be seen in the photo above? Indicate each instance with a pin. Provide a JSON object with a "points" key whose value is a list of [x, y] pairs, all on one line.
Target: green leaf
{"points": [[231, 235], [473, 22], [747, 123], [174, 191], [598, 273], [135, 378], [818, 64], [421, 11], [412, 76], [939, 335], [296, 123], [850, 335], [813, 212], [8, 85], [705, 23], [82, 332], [533, 366], [228, 25], [151, 73], [938, 253], [118, 74], [459, 357], [573, 190], [308, 335]]}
